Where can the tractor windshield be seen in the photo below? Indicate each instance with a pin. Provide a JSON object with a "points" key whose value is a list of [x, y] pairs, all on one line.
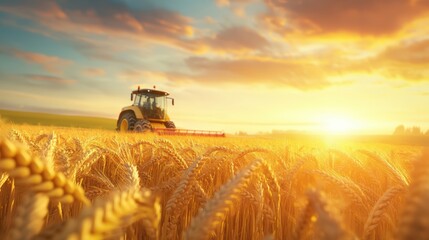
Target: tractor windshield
{"points": [[152, 105]]}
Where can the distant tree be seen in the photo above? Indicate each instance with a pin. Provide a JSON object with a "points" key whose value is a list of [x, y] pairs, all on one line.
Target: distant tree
{"points": [[242, 133], [427, 132], [416, 131], [399, 130]]}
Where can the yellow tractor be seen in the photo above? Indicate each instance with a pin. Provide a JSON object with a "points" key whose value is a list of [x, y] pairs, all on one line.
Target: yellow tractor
{"points": [[148, 111]]}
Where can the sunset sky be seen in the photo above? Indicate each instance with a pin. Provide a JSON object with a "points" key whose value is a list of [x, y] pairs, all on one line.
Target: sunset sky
{"points": [[312, 65]]}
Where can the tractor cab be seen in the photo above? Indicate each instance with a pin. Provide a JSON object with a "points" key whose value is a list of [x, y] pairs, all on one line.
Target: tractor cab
{"points": [[151, 102]]}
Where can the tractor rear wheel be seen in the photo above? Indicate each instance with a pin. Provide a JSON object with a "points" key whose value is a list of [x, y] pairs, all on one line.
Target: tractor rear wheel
{"points": [[170, 124], [142, 126], [127, 122]]}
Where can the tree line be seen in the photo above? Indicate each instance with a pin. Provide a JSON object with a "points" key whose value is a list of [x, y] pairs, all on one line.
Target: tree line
{"points": [[414, 130]]}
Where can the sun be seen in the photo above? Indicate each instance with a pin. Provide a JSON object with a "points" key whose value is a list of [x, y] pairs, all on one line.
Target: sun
{"points": [[339, 125]]}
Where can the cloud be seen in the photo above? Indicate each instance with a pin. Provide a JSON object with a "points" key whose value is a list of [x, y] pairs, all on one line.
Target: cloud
{"points": [[238, 7], [52, 64], [103, 17], [93, 26], [222, 3], [237, 39], [408, 61], [94, 72], [38, 78], [416, 52], [47, 9], [136, 76], [286, 73], [368, 17]]}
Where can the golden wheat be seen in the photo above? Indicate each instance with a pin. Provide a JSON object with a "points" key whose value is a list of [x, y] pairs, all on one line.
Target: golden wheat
{"points": [[204, 188], [379, 208], [414, 219], [214, 212]]}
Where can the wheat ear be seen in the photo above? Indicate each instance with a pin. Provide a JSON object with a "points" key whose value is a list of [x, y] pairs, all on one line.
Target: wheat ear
{"points": [[328, 226], [31, 172], [29, 216], [414, 219], [215, 210], [132, 175], [378, 210], [180, 197], [306, 217], [348, 186], [399, 176], [48, 153], [107, 218]]}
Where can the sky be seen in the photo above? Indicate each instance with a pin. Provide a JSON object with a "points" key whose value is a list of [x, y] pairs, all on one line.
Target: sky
{"points": [[359, 66]]}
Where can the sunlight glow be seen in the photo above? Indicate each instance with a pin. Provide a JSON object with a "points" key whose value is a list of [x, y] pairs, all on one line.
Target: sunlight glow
{"points": [[339, 125]]}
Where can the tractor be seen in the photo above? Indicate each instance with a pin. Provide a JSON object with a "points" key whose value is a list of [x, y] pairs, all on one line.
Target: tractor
{"points": [[148, 111]]}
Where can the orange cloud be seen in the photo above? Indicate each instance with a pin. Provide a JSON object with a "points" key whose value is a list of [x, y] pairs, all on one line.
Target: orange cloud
{"points": [[416, 52], [409, 62], [237, 39], [367, 17], [94, 72], [287, 73], [35, 78], [47, 9], [136, 76], [222, 3], [52, 64]]}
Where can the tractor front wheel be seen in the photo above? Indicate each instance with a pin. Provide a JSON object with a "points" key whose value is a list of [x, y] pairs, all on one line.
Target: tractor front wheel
{"points": [[142, 126], [127, 122]]}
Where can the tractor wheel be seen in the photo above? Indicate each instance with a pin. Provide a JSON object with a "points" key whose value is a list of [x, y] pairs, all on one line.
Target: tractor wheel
{"points": [[127, 122], [170, 124], [142, 126]]}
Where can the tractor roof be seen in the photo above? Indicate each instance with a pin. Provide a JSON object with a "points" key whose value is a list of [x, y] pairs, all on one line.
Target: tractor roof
{"points": [[152, 91]]}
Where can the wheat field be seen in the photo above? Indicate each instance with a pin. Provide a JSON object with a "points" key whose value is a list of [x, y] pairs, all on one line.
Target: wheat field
{"points": [[65, 183]]}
